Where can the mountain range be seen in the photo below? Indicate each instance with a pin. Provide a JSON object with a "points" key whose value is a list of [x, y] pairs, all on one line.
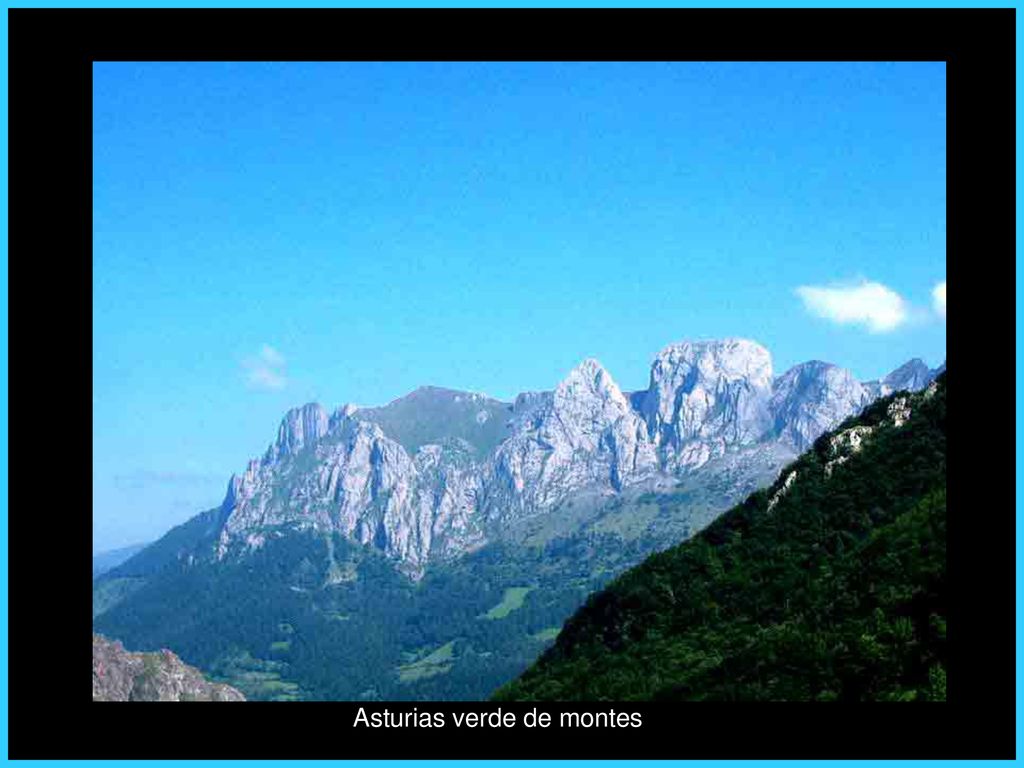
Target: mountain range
{"points": [[467, 526], [439, 472]]}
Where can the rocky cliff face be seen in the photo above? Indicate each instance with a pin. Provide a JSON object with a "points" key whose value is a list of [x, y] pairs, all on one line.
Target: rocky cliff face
{"points": [[363, 484], [438, 473], [706, 397], [119, 675], [299, 428], [583, 434], [811, 398]]}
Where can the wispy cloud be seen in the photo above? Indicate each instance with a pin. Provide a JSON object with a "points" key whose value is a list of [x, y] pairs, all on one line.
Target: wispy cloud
{"points": [[873, 305], [266, 370], [939, 298]]}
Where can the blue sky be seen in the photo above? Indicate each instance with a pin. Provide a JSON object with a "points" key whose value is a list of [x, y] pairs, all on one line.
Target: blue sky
{"points": [[270, 234]]}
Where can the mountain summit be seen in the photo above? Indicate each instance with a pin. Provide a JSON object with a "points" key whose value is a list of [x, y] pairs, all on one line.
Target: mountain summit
{"points": [[707, 396], [812, 397]]}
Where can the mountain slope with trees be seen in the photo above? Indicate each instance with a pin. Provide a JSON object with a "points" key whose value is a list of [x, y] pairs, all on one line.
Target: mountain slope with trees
{"points": [[829, 585]]}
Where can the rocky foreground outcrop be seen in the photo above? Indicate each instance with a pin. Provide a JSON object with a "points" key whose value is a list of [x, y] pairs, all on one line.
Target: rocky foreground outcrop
{"points": [[120, 675]]}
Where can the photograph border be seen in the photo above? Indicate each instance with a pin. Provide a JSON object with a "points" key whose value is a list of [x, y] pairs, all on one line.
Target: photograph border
{"points": [[51, 53]]}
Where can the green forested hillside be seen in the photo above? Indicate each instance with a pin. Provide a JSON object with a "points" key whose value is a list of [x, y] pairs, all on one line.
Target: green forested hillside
{"points": [[834, 591]]}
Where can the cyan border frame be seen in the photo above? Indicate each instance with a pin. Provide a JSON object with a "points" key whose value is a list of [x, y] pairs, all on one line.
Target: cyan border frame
{"points": [[4, 308]]}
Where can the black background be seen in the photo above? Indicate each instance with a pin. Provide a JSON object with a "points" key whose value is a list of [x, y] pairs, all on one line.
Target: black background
{"points": [[51, 53]]}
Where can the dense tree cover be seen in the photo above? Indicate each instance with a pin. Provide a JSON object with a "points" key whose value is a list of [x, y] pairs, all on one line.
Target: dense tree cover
{"points": [[837, 592], [272, 623]]}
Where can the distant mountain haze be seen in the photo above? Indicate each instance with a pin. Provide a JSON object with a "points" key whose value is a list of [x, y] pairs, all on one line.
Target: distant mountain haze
{"points": [[104, 561]]}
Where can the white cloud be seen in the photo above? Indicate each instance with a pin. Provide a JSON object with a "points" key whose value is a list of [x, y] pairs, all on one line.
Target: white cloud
{"points": [[266, 370], [873, 305], [939, 298]]}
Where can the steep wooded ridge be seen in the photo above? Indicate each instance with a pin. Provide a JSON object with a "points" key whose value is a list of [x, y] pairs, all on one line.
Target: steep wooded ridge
{"points": [[830, 584], [118, 675], [432, 547]]}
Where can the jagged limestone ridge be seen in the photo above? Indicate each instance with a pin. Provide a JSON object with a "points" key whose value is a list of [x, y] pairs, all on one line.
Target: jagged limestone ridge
{"points": [[438, 473]]}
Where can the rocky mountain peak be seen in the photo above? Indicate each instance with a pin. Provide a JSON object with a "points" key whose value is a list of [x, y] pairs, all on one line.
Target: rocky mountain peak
{"points": [[589, 368], [813, 397], [340, 414], [589, 382], [728, 359], [912, 375], [300, 427], [813, 373], [708, 389]]}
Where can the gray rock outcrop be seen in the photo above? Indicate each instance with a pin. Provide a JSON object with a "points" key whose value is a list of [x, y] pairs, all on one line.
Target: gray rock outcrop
{"points": [[707, 397], [120, 675]]}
